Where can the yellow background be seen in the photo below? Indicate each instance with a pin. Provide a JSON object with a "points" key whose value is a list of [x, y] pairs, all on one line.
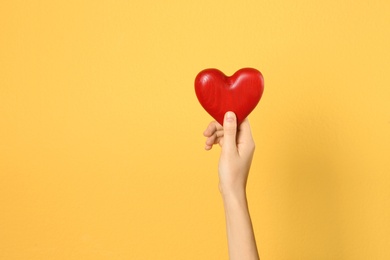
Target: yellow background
{"points": [[101, 146]]}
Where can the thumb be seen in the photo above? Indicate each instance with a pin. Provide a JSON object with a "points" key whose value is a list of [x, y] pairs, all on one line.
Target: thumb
{"points": [[229, 132]]}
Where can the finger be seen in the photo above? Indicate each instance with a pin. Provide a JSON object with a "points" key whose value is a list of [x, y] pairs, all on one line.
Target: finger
{"points": [[211, 142], [229, 133], [212, 128], [208, 147], [245, 133], [214, 139], [245, 142]]}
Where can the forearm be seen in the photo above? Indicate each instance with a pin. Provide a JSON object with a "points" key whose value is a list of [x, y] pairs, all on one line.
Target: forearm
{"points": [[241, 239], [233, 169]]}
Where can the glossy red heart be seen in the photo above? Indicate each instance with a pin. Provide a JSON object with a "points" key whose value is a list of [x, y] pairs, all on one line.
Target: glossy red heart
{"points": [[240, 93]]}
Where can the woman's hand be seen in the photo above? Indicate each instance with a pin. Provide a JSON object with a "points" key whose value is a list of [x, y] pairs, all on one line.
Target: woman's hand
{"points": [[237, 152], [234, 164]]}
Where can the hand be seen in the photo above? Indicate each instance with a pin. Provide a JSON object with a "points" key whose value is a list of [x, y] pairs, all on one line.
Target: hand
{"points": [[237, 152]]}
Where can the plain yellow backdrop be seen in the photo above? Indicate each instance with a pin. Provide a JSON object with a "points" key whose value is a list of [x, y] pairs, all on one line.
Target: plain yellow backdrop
{"points": [[101, 147]]}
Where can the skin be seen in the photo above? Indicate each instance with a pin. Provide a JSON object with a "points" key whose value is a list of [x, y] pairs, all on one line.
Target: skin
{"points": [[237, 148]]}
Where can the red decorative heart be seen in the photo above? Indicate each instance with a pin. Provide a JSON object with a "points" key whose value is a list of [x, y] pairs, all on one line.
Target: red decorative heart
{"points": [[239, 93]]}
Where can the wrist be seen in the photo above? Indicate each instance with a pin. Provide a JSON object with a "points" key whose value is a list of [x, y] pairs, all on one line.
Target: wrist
{"points": [[232, 192]]}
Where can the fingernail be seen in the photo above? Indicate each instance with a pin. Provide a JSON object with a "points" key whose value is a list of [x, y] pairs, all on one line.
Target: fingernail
{"points": [[229, 117]]}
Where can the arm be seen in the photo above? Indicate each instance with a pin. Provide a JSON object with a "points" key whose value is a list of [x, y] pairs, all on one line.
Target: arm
{"points": [[234, 164]]}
